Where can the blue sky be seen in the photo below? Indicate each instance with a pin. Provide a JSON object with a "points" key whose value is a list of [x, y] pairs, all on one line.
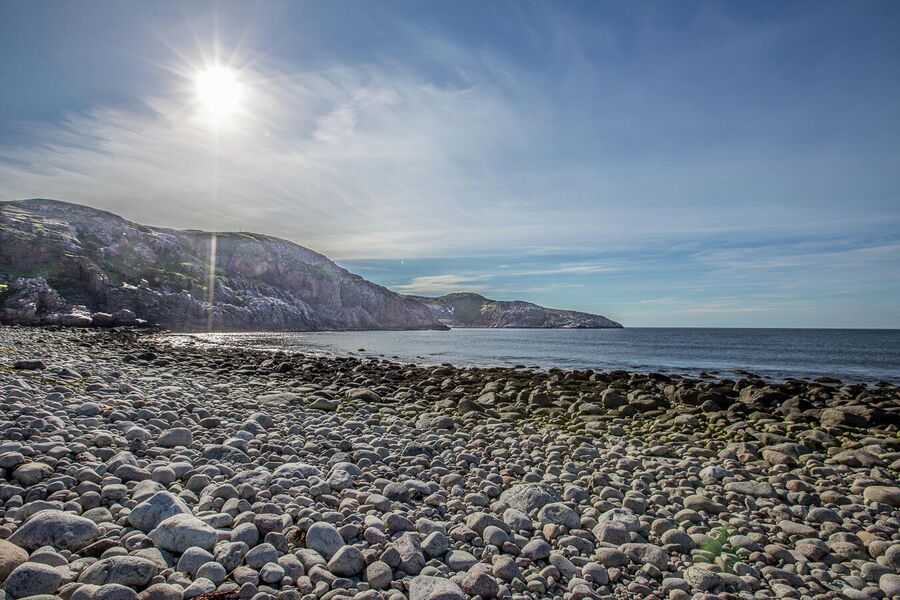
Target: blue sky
{"points": [[671, 163]]}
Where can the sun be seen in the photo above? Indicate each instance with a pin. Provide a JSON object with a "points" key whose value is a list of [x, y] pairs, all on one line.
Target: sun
{"points": [[219, 92]]}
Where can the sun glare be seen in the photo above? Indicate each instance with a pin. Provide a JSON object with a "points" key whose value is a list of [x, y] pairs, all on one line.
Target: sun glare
{"points": [[218, 92]]}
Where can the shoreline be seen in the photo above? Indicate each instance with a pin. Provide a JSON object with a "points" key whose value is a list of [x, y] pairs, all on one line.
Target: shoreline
{"points": [[184, 470], [768, 374]]}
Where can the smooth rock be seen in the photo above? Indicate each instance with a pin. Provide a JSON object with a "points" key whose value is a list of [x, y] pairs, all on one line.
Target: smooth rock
{"points": [[529, 497], [32, 579], [424, 587], [61, 530], [183, 531], [11, 556], [156, 509]]}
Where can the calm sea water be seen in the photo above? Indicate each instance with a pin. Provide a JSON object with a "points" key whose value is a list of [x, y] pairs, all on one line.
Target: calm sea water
{"points": [[849, 354]]}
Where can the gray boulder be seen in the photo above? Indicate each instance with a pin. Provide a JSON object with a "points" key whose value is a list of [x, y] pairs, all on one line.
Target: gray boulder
{"points": [[701, 578], [424, 587], [883, 494], [224, 453], [180, 532], [324, 539], [162, 591], [558, 513], [124, 570], [192, 559], [62, 530], [32, 579], [646, 553], [530, 497], [156, 509], [114, 591], [31, 473], [412, 559], [347, 562], [177, 436], [757, 489]]}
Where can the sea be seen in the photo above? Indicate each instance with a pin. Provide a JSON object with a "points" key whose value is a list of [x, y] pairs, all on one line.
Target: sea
{"points": [[851, 355]]}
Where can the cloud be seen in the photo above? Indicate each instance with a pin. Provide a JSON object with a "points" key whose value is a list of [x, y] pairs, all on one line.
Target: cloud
{"points": [[550, 287], [360, 161], [567, 268], [803, 255], [373, 160], [711, 306], [336, 126], [443, 284], [660, 301], [819, 265]]}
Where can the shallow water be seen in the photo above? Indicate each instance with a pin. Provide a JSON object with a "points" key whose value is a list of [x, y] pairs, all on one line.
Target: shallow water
{"points": [[849, 354]]}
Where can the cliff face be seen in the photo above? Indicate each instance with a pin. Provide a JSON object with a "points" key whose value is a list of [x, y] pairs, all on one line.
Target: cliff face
{"points": [[473, 310], [76, 265]]}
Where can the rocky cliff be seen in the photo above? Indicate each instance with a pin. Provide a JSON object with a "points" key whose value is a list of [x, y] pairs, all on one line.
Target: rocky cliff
{"points": [[74, 265], [473, 310]]}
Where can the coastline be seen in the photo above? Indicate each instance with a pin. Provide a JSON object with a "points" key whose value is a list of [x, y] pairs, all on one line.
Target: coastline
{"points": [[774, 355], [491, 482]]}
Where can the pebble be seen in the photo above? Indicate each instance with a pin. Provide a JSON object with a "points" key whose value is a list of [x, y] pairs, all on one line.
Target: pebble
{"points": [[222, 472]]}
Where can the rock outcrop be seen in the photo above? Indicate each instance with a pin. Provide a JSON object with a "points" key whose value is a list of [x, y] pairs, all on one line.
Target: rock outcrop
{"points": [[474, 310], [68, 264]]}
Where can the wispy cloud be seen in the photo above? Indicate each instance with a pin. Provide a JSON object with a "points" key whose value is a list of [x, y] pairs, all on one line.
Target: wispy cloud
{"points": [[843, 254], [712, 306], [567, 268], [358, 161], [443, 284], [370, 160]]}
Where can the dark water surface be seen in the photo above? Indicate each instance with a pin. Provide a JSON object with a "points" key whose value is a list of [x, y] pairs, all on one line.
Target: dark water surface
{"points": [[849, 354]]}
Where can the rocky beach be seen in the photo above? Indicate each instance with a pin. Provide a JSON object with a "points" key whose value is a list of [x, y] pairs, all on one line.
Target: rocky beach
{"points": [[132, 466]]}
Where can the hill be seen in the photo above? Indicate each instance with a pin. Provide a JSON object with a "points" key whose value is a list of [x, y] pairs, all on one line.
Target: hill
{"points": [[474, 310], [75, 265]]}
